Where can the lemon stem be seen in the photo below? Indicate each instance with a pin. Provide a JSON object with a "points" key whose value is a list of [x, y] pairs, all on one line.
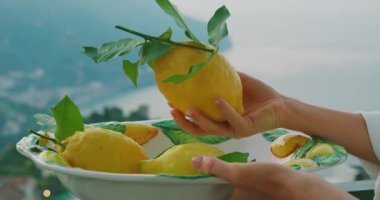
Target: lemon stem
{"points": [[162, 40], [46, 137]]}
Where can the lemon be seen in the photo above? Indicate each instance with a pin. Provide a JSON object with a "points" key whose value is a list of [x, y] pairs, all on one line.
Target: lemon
{"points": [[217, 79], [140, 132], [177, 159], [103, 150]]}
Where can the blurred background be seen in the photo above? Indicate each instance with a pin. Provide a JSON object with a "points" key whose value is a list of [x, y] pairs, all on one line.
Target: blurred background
{"points": [[322, 52]]}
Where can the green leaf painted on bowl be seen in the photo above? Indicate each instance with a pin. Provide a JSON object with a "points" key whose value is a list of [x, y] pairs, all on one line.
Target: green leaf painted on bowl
{"points": [[54, 158], [113, 126], [179, 136], [272, 135], [302, 150], [45, 121], [339, 154], [235, 157], [296, 167]]}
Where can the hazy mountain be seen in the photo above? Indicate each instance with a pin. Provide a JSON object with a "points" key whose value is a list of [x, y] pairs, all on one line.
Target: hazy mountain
{"points": [[41, 43]]}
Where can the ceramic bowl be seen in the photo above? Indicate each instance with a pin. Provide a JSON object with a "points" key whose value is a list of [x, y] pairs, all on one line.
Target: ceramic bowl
{"points": [[93, 185]]}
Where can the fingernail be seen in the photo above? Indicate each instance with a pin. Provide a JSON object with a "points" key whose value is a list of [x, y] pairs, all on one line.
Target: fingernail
{"points": [[189, 113], [197, 162], [218, 102]]}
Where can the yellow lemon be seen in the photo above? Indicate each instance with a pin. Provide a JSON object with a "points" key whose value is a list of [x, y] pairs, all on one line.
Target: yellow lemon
{"points": [[140, 132], [103, 150], [217, 79], [177, 160]]}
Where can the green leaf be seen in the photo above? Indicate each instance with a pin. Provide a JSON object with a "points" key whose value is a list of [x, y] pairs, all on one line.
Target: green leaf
{"points": [[235, 157], [167, 34], [217, 26], [179, 136], [111, 50], [172, 11], [272, 135], [153, 50], [46, 122], [113, 126], [68, 119], [131, 70], [194, 69]]}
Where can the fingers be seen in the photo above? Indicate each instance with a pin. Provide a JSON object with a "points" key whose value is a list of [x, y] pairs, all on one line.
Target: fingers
{"points": [[185, 124], [239, 125], [214, 166], [208, 125], [236, 125]]}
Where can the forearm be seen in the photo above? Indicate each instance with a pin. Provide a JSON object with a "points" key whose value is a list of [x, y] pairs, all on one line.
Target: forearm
{"points": [[314, 187], [346, 129]]}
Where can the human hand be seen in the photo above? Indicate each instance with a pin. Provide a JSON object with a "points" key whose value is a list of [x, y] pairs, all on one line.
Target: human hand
{"points": [[264, 108], [268, 181]]}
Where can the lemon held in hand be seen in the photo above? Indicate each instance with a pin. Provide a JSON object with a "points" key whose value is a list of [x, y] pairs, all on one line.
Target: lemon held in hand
{"points": [[217, 79], [103, 150], [177, 160]]}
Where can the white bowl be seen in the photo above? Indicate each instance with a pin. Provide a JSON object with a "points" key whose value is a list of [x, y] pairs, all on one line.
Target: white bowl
{"points": [[94, 185]]}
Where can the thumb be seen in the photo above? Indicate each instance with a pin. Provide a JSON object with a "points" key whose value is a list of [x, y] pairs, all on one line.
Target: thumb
{"points": [[213, 166]]}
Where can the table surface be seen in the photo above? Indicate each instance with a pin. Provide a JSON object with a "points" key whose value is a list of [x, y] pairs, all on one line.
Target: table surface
{"points": [[362, 190]]}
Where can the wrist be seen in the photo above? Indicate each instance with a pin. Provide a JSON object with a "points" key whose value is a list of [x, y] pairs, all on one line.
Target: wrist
{"points": [[291, 116]]}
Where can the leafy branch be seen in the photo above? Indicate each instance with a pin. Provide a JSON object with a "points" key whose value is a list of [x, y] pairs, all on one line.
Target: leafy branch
{"points": [[46, 137], [162, 40], [154, 47]]}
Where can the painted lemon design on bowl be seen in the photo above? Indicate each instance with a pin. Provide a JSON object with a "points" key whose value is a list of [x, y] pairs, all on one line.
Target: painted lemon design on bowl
{"points": [[217, 79], [304, 163], [320, 150], [103, 150], [140, 132], [177, 159], [287, 144]]}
